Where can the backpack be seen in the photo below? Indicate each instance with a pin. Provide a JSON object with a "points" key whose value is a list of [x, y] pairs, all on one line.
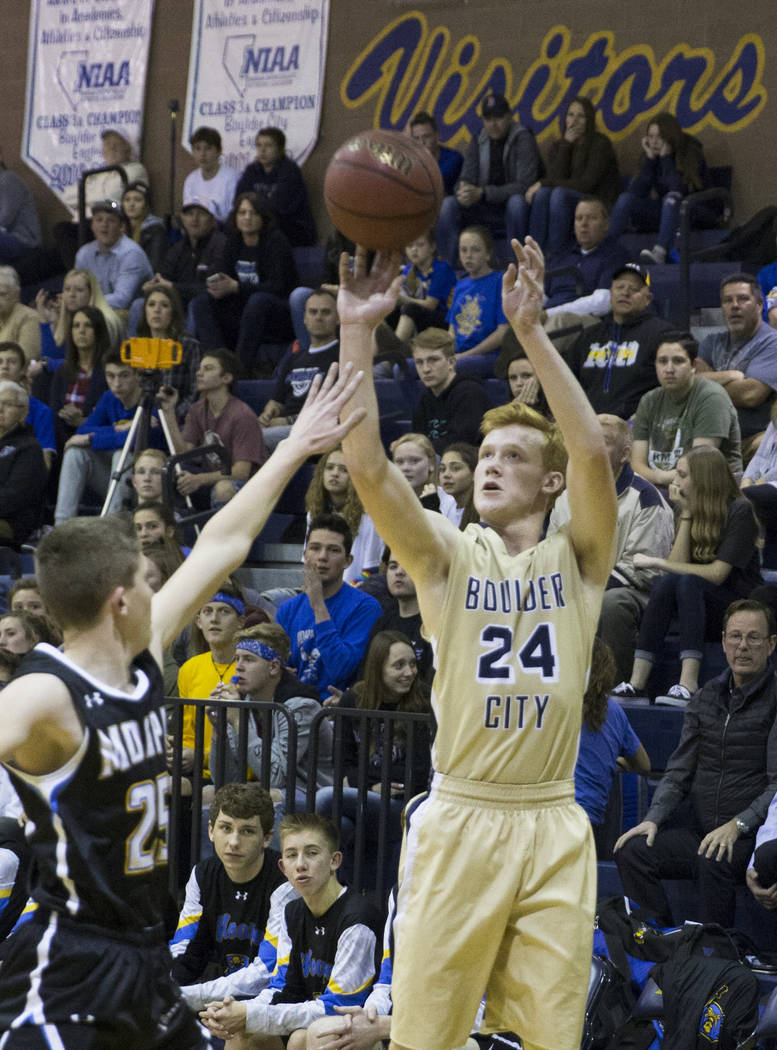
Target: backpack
{"points": [[710, 997], [631, 939]]}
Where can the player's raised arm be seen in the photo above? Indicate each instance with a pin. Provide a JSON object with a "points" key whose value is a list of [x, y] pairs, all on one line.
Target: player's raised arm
{"points": [[420, 544], [227, 538], [589, 476]]}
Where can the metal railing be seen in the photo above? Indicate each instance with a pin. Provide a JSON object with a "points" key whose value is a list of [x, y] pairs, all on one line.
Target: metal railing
{"points": [[371, 871]]}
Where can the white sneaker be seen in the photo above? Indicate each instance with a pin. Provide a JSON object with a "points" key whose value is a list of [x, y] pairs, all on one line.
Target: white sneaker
{"points": [[625, 691], [656, 256], [677, 696]]}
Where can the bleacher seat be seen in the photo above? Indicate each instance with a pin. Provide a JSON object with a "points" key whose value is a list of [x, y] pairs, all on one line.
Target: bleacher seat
{"points": [[309, 261], [255, 392]]}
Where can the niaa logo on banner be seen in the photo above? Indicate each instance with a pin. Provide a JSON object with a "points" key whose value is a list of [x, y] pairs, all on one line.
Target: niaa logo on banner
{"points": [[407, 67]]}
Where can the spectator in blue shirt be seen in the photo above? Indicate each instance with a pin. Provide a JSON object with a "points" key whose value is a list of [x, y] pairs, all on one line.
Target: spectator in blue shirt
{"points": [[92, 453], [423, 129], [329, 623], [120, 265], [607, 741], [13, 366]]}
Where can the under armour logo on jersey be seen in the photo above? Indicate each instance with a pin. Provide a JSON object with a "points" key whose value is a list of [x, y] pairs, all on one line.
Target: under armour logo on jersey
{"points": [[93, 699], [320, 931], [241, 895]]}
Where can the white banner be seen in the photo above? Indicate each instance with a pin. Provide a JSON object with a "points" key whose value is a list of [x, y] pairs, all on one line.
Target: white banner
{"points": [[86, 71], [256, 63]]}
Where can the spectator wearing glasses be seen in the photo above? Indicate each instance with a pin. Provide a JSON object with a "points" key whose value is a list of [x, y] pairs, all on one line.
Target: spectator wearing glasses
{"points": [[725, 764]]}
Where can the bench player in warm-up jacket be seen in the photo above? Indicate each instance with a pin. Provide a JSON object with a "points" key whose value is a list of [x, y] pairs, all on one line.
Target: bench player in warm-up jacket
{"points": [[511, 618], [83, 739]]}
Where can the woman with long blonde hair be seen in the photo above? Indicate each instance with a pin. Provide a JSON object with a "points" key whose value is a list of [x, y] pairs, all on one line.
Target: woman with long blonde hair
{"points": [[713, 562], [331, 489], [79, 288]]}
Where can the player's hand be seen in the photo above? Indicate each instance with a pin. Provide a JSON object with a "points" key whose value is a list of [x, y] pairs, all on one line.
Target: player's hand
{"points": [[718, 844], [225, 1019], [522, 285], [187, 483], [318, 428], [646, 561], [367, 298], [766, 897], [530, 193], [648, 149], [647, 828], [79, 441], [334, 698], [530, 392], [312, 585], [356, 1029], [167, 398], [222, 286], [71, 415]]}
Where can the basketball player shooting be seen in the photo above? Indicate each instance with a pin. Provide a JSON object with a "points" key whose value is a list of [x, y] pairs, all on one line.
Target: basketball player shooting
{"points": [[499, 883], [83, 739]]}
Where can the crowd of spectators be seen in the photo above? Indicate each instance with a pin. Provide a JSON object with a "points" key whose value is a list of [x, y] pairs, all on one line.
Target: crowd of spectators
{"points": [[685, 424]]}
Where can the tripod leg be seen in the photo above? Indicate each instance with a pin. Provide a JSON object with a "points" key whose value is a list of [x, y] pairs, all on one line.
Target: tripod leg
{"points": [[171, 449], [123, 465]]}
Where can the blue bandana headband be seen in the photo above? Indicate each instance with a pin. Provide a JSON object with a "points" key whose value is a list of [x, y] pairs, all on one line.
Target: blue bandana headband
{"points": [[228, 599], [253, 645]]}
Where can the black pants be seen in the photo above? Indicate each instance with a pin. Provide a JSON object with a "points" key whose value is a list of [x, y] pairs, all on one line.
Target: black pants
{"points": [[765, 863], [674, 855]]}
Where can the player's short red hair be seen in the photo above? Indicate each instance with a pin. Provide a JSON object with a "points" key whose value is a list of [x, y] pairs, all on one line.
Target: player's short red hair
{"points": [[554, 454]]}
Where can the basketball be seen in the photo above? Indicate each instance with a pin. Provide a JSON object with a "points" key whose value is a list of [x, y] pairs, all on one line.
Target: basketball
{"points": [[382, 189]]}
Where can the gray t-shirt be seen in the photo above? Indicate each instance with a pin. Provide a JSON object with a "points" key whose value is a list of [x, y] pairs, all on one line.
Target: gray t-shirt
{"points": [[670, 426], [757, 358]]}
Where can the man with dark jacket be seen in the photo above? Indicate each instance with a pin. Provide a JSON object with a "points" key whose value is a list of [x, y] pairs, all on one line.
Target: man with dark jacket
{"points": [[452, 406], [499, 166], [614, 360], [198, 253], [278, 183], [725, 765], [23, 473]]}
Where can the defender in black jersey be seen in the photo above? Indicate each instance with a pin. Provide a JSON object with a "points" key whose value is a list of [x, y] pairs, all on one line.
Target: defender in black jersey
{"points": [[328, 956], [83, 738]]}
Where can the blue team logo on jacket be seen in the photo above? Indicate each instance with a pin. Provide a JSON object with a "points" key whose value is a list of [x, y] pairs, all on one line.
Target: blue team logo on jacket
{"points": [[314, 967], [712, 1018]]}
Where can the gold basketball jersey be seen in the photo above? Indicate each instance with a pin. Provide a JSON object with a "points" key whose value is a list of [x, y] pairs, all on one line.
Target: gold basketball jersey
{"points": [[512, 654]]}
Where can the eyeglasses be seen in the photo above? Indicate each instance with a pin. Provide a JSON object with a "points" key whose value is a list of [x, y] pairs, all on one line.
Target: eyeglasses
{"points": [[753, 640]]}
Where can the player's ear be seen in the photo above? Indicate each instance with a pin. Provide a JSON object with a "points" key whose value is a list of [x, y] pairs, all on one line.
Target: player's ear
{"points": [[117, 601], [282, 867], [268, 838], [210, 831], [349, 559], [553, 482], [336, 861]]}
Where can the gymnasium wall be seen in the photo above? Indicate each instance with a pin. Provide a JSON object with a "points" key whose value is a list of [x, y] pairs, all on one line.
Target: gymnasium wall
{"points": [[714, 65]]}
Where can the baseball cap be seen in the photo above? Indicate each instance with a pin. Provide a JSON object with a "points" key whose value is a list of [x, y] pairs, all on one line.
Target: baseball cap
{"points": [[635, 268], [198, 202], [495, 106], [109, 205]]}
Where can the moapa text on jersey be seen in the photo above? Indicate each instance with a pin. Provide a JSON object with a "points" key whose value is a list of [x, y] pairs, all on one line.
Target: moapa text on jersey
{"points": [[515, 711], [130, 742], [514, 595]]}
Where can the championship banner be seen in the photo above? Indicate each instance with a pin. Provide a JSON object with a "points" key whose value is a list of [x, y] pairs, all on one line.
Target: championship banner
{"points": [[86, 71], [256, 63]]}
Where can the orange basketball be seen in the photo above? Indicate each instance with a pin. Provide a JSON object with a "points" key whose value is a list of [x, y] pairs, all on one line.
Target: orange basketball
{"points": [[382, 189]]}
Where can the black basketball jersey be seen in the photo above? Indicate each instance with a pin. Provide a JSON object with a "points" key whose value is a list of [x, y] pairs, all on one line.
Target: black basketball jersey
{"points": [[100, 838], [223, 921]]}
